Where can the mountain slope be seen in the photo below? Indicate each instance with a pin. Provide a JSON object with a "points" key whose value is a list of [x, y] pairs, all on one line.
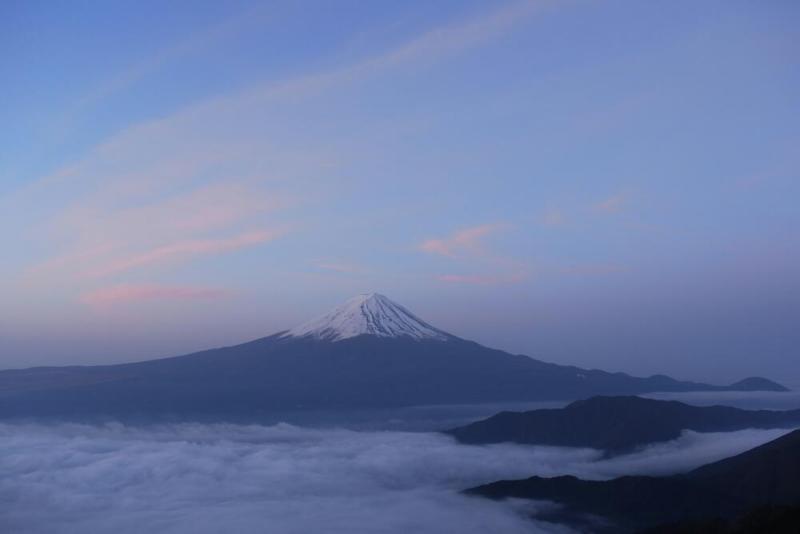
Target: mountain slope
{"points": [[617, 424], [629, 503], [368, 353], [766, 475]]}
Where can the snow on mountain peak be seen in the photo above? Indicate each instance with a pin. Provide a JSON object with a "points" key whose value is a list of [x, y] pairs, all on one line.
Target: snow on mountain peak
{"points": [[372, 314]]}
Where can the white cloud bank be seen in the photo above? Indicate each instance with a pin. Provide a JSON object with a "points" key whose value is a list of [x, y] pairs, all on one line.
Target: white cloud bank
{"points": [[193, 478]]}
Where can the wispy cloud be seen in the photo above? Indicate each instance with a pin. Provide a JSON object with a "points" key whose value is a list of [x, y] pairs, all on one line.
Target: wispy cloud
{"points": [[183, 250], [125, 293], [469, 246], [191, 45], [613, 204], [552, 218], [117, 228], [161, 192], [465, 34], [122, 212], [469, 241]]}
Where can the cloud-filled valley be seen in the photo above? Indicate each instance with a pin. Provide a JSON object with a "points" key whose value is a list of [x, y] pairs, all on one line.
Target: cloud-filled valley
{"points": [[182, 478]]}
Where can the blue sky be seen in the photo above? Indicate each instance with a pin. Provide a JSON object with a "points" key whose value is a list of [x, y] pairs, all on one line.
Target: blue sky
{"points": [[609, 184]]}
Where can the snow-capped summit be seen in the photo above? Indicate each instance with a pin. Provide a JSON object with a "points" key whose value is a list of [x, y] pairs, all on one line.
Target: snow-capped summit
{"points": [[371, 314]]}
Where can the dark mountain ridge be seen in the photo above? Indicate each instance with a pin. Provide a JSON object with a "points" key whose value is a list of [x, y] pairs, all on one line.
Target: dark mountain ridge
{"points": [[617, 424], [765, 475]]}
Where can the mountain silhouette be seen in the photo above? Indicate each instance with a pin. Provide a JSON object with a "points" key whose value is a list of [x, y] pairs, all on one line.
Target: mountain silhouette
{"points": [[617, 424], [763, 476], [367, 353]]}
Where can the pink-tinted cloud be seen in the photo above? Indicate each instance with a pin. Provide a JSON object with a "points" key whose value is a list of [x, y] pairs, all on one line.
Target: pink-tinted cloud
{"points": [[464, 242], [182, 250], [121, 214], [131, 293], [612, 204]]}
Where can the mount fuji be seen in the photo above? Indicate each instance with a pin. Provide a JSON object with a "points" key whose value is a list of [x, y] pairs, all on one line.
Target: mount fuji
{"points": [[367, 353], [370, 314]]}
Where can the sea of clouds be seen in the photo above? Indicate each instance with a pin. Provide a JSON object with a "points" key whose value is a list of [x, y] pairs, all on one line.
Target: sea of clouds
{"points": [[211, 478]]}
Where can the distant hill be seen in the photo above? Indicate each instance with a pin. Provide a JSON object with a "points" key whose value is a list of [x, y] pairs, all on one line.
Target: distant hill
{"points": [[764, 476], [757, 383], [617, 424], [368, 353]]}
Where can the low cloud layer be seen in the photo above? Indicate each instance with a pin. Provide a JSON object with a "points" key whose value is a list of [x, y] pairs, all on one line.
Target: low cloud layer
{"points": [[691, 450], [284, 479]]}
